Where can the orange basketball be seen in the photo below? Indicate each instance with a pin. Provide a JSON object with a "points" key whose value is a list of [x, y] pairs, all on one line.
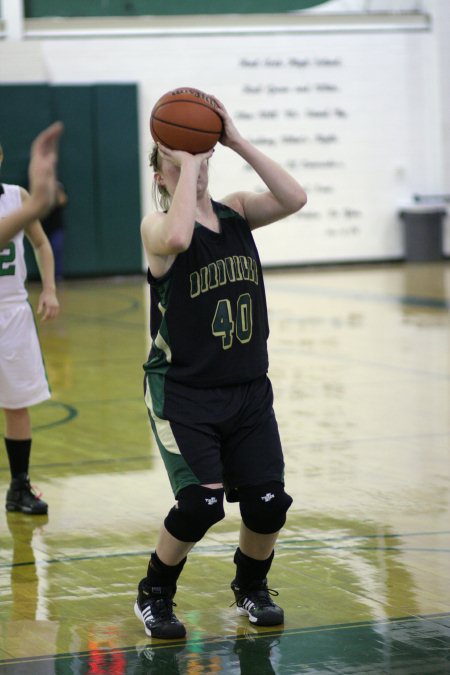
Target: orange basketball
{"points": [[186, 119]]}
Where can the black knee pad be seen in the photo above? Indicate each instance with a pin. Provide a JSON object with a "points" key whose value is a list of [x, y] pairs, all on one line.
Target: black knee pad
{"points": [[198, 509], [263, 507]]}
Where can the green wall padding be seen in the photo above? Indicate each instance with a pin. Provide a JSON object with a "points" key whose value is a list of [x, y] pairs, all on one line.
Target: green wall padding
{"points": [[24, 111], [99, 166], [118, 194], [77, 170], [41, 8]]}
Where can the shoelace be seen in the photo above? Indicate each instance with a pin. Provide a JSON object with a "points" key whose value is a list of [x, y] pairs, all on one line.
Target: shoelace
{"points": [[263, 595], [164, 606], [32, 490], [37, 494]]}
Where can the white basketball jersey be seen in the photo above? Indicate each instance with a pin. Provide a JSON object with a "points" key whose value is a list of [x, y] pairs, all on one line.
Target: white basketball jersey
{"points": [[13, 271]]}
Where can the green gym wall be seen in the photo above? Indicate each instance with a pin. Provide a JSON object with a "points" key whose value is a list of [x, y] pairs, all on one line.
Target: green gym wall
{"points": [[99, 167]]}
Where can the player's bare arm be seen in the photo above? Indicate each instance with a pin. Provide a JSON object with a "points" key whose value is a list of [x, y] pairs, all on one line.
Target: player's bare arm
{"points": [[48, 304], [284, 196], [42, 169], [164, 235], [43, 184]]}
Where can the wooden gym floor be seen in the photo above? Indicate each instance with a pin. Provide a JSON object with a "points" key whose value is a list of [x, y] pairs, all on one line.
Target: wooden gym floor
{"points": [[361, 371]]}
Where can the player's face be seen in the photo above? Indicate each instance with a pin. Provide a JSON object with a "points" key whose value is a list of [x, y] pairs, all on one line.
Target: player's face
{"points": [[169, 174], [202, 181]]}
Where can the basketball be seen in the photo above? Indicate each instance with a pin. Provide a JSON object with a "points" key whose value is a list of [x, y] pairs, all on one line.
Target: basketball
{"points": [[186, 119]]}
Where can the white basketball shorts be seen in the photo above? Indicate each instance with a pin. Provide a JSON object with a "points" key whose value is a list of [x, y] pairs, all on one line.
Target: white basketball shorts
{"points": [[23, 381]]}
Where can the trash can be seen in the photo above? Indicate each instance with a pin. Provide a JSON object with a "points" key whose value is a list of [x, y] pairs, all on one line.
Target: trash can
{"points": [[422, 232]]}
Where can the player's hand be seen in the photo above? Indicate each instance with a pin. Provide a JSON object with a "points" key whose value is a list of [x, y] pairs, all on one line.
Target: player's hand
{"points": [[178, 157], [230, 135], [42, 169], [48, 305]]}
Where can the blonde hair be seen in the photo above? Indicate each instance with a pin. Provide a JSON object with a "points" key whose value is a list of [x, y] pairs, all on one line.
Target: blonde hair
{"points": [[161, 196]]}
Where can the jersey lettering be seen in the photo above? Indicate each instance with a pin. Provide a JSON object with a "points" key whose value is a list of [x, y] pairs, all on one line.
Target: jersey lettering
{"points": [[223, 271], [7, 258], [224, 326]]}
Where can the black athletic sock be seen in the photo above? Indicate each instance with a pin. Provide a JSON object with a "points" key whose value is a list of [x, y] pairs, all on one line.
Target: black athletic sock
{"points": [[249, 570], [18, 456], [160, 574]]}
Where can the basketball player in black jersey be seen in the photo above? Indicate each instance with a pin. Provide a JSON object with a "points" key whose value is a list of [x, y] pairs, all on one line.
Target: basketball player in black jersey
{"points": [[206, 387]]}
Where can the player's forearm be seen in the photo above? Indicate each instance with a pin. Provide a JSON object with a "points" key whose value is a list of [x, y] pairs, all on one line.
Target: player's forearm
{"points": [[17, 221], [180, 219], [284, 187], [46, 265]]}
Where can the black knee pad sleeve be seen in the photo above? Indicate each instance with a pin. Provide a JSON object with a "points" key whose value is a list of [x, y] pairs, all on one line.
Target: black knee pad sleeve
{"points": [[263, 507], [197, 510]]}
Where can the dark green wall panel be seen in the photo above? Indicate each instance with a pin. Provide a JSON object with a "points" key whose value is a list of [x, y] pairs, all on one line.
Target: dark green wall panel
{"points": [[39, 8], [24, 111], [117, 151], [77, 169], [99, 166]]}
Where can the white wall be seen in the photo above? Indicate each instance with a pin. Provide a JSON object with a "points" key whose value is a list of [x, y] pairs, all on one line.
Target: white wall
{"points": [[360, 116], [441, 75]]}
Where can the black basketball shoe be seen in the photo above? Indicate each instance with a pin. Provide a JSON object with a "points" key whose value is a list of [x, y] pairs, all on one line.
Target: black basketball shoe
{"points": [[159, 660], [255, 653], [255, 602], [22, 497], [154, 607]]}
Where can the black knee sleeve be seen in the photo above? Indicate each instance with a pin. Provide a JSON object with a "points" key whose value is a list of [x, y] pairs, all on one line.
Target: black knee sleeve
{"points": [[198, 509], [263, 507]]}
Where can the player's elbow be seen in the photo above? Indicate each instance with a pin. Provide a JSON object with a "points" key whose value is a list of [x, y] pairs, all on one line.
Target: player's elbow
{"points": [[294, 202], [304, 199], [178, 242], [299, 200]]}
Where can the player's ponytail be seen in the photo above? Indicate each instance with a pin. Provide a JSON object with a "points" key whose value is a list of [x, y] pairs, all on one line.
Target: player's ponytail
{"points": [[161, 197]]}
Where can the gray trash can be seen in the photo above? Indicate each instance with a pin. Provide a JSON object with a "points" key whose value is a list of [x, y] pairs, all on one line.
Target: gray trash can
{"points": [[422, 232]]}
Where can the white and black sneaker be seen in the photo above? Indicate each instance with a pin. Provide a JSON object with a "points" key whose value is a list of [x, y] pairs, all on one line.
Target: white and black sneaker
{"points": [[255, 602], [154, 607]]}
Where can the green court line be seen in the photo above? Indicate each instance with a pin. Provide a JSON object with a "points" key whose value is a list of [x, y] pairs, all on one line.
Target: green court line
{"points": [[364, 296], [87, 462], [71, 413], [358, 547], [367, 536], [326, 628], [218, 548], [148, 456]]}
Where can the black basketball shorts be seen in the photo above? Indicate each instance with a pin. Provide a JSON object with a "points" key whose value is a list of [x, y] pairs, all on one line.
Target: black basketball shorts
{"points": [[223, 435]]}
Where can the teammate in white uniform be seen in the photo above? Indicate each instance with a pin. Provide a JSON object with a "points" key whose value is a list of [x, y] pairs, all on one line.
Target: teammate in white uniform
{"points": [[23, 381]]}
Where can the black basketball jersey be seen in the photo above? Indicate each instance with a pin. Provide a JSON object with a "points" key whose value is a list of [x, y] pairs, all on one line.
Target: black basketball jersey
{"points": [[208, 318]]}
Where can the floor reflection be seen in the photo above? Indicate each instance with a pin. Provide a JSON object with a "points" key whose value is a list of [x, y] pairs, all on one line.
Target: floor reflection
{"points": [[360, 367], [404, 646]]}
